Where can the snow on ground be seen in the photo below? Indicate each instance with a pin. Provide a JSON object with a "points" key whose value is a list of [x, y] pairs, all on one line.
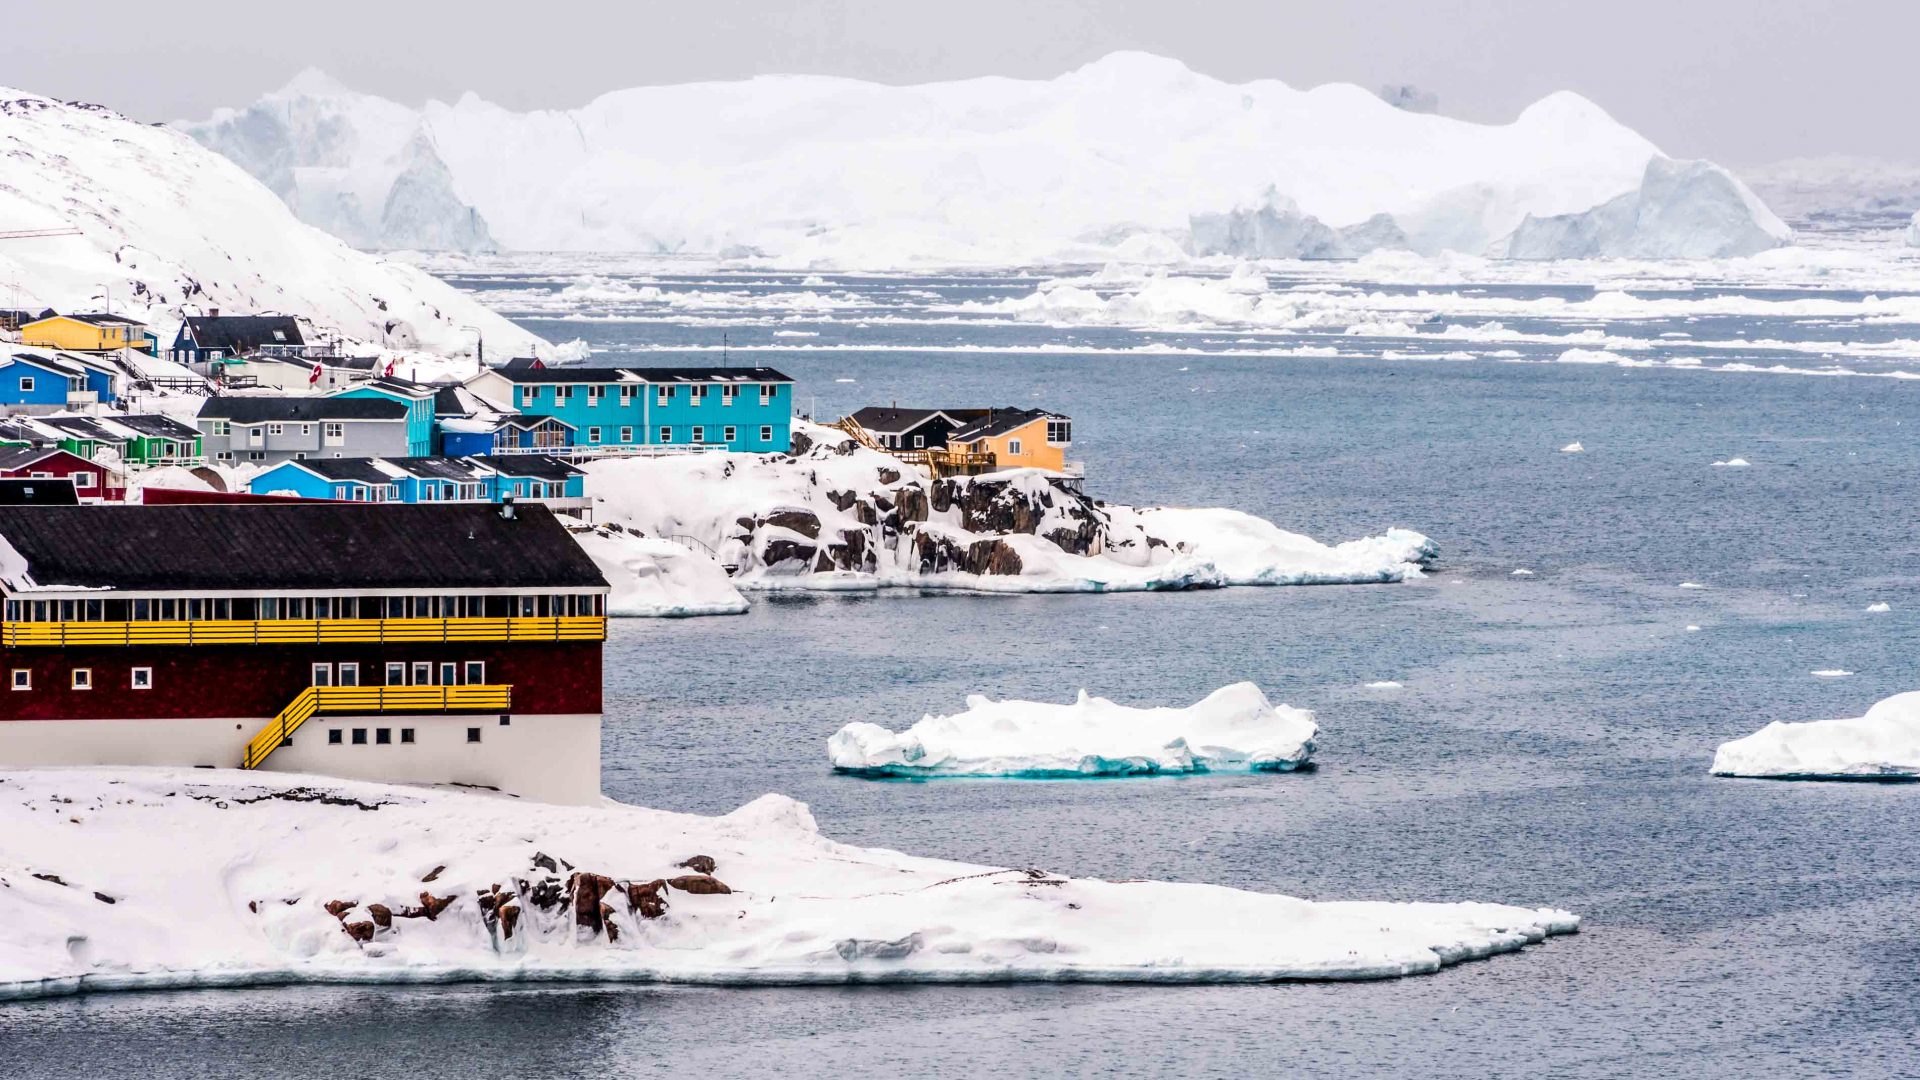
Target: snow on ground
{"points": [[652, 577], [1131, 156], [169, 227], [837, 516], [1883, 744], [1233, 729], [438, 886]]}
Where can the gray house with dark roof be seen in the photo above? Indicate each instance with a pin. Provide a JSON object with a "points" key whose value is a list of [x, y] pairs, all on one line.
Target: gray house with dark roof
{"points": [[270, 430]]}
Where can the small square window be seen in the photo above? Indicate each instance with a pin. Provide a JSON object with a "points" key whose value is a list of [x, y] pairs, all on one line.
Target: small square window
{"points": [[82, 678], [383, 736], [506, 720], [22, 678], [666, 434], [142, 678], [334, 737], [476, 672], [406, 734], [359, 736], [473, 734], [766, 434], [729, 433], [323, 675]]}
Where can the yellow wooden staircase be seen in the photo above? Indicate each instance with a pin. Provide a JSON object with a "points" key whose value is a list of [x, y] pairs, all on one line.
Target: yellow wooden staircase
{"points": [[860, 435], [371, 699]]}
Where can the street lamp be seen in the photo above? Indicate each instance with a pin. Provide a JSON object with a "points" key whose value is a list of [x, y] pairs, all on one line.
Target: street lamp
{"points": [[479, 348]]}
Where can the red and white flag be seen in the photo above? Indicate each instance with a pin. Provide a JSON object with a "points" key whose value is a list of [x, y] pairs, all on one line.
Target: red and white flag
{"points": [[314, 375], [390, 363]]}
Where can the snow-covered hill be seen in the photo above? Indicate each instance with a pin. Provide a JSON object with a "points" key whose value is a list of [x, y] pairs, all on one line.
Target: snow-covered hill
{"points": [[1133, 155], [167, 225]]}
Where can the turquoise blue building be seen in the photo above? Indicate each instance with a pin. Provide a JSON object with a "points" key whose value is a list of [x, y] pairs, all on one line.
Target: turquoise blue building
{"points": [[527, 477], [417, 398], [744, 409], [48, 379]]}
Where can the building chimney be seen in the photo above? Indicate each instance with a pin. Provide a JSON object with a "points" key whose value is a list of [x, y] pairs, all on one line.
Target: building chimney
{"points": [[213, 313], [506, 506]]}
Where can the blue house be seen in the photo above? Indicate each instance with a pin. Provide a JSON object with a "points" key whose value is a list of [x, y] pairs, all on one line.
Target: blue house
{"points": [[418, 399], [527, 477], [743, 409], [341, 479], [535, 477], [51, 381], [466, 424]]}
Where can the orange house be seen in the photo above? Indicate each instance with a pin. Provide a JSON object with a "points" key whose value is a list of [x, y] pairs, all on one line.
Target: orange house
{"points": [[1018, 439]]}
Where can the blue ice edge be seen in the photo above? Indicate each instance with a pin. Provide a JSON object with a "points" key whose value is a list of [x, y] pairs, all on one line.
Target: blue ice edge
{"points": [[1553, 924], [1101, 769]]}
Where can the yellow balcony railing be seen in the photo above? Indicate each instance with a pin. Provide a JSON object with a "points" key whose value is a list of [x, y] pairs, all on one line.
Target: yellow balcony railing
{"points": [[370, 699], [303, 631]]}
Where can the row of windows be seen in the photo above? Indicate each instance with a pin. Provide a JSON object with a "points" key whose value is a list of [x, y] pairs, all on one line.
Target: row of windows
{"points": [[384, 736], [74, 383], [698, 434], [82, 480], [664, 395], [140, 678], [536, 606], [333, 431]]}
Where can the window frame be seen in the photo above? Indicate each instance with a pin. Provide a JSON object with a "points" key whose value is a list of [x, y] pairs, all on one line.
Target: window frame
{"points": [[82, 678], [134, 678], [19, 683]]}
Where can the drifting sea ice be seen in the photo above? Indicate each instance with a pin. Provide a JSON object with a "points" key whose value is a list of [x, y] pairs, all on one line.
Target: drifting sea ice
{"points": [[1732, 463], [1885, 743], [270, 878], [1233, 729], [1573, 448]]}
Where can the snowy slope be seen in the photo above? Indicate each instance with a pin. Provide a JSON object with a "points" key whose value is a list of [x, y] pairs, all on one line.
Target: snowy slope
{"points": [[1120, 156], [168, 225], [1233, 729], [437, 886]]}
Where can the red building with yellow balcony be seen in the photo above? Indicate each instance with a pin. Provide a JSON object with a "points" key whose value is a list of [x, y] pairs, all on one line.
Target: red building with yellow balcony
{"points": [[440, 644]]}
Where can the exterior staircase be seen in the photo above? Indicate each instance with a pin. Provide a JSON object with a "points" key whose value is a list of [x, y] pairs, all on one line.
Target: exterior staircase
{"points": [[370, 699]]}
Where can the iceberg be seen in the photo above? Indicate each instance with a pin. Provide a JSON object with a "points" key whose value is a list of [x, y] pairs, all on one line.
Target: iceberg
{"points": [[1882, 745], [1233, 729], [269, 878], [1130, 154], [1681, 210]]}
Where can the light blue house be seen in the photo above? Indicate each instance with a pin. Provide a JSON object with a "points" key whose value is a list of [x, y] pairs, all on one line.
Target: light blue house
{"points": [[527, 477], [743, 409], [43, 381], [416, 397]]}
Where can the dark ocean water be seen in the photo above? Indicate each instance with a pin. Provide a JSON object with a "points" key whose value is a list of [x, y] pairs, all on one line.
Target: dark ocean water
{"points": [[1549, 745]]}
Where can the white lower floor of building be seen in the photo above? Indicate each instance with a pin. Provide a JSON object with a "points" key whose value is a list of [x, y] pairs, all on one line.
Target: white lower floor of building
{"points": [[545, 757]]}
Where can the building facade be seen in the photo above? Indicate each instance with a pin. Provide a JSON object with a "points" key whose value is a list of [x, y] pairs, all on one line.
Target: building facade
{"points": [[89, 332], [269, 430], [92, 481], [452, 644], [48, 382], [742, 409]]}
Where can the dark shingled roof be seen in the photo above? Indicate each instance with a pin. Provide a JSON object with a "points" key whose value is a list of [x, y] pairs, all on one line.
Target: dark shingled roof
{"points": [[435, 468], [243, 333], [894, 421], [255, 410], [575, 373], [534, 466], [999, 422], [83, 427], [151, 424], [359, 470], [273, 546], [19, 457], [99, 318]]}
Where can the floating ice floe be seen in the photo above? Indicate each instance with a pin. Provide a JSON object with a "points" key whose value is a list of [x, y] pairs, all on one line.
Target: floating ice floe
{"points": [[1875, 609], [1831, 673], [1691, 585], [1732, 463], [1573, 448], [1383, 684], [1233, 729], [1883, 744], [1692, 629], [1522, 572], [270, 878]]}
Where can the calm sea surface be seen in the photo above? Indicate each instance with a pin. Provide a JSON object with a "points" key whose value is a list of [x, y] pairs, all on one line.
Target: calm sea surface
{"points": [[1549, 745]]}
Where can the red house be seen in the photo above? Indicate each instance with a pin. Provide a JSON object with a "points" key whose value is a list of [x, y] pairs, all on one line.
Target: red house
{"points": [[453, 643], [92, 481]]}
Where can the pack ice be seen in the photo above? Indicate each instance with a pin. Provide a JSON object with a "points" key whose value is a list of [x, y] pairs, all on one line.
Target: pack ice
{"points": [[275, 878], [1882, 745], [1132, 155], [167, 225], [833, 515], [1233, 729]]}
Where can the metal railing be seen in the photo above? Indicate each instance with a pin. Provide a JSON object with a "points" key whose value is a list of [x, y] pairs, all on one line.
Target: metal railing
{"points": [[303, 631], [370, 699]]}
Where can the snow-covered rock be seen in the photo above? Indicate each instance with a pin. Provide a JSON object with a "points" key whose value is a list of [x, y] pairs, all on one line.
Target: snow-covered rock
{"points": [[168, 227], [1233, 729], [836, 516], [1681, 210], [1118, 156], [1883, 744], [656, 578], [270, 878]]}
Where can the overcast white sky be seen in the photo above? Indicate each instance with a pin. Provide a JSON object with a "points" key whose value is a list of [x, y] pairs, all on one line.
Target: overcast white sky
{"points": [[1740, 81]]}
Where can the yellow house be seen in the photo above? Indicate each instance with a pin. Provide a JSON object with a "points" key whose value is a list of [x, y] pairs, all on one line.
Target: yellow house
{"points": [[85, 333], [1017, 439]]}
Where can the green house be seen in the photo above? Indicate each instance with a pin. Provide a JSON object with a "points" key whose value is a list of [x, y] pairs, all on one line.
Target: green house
{"points": [[135, 440]]}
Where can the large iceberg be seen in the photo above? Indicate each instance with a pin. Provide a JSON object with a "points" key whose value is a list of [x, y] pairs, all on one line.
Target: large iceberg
{"points": [[1117, 156], [1233, 729], [1681, 210], [168, 227], [1882, 745], [268, 878]]}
